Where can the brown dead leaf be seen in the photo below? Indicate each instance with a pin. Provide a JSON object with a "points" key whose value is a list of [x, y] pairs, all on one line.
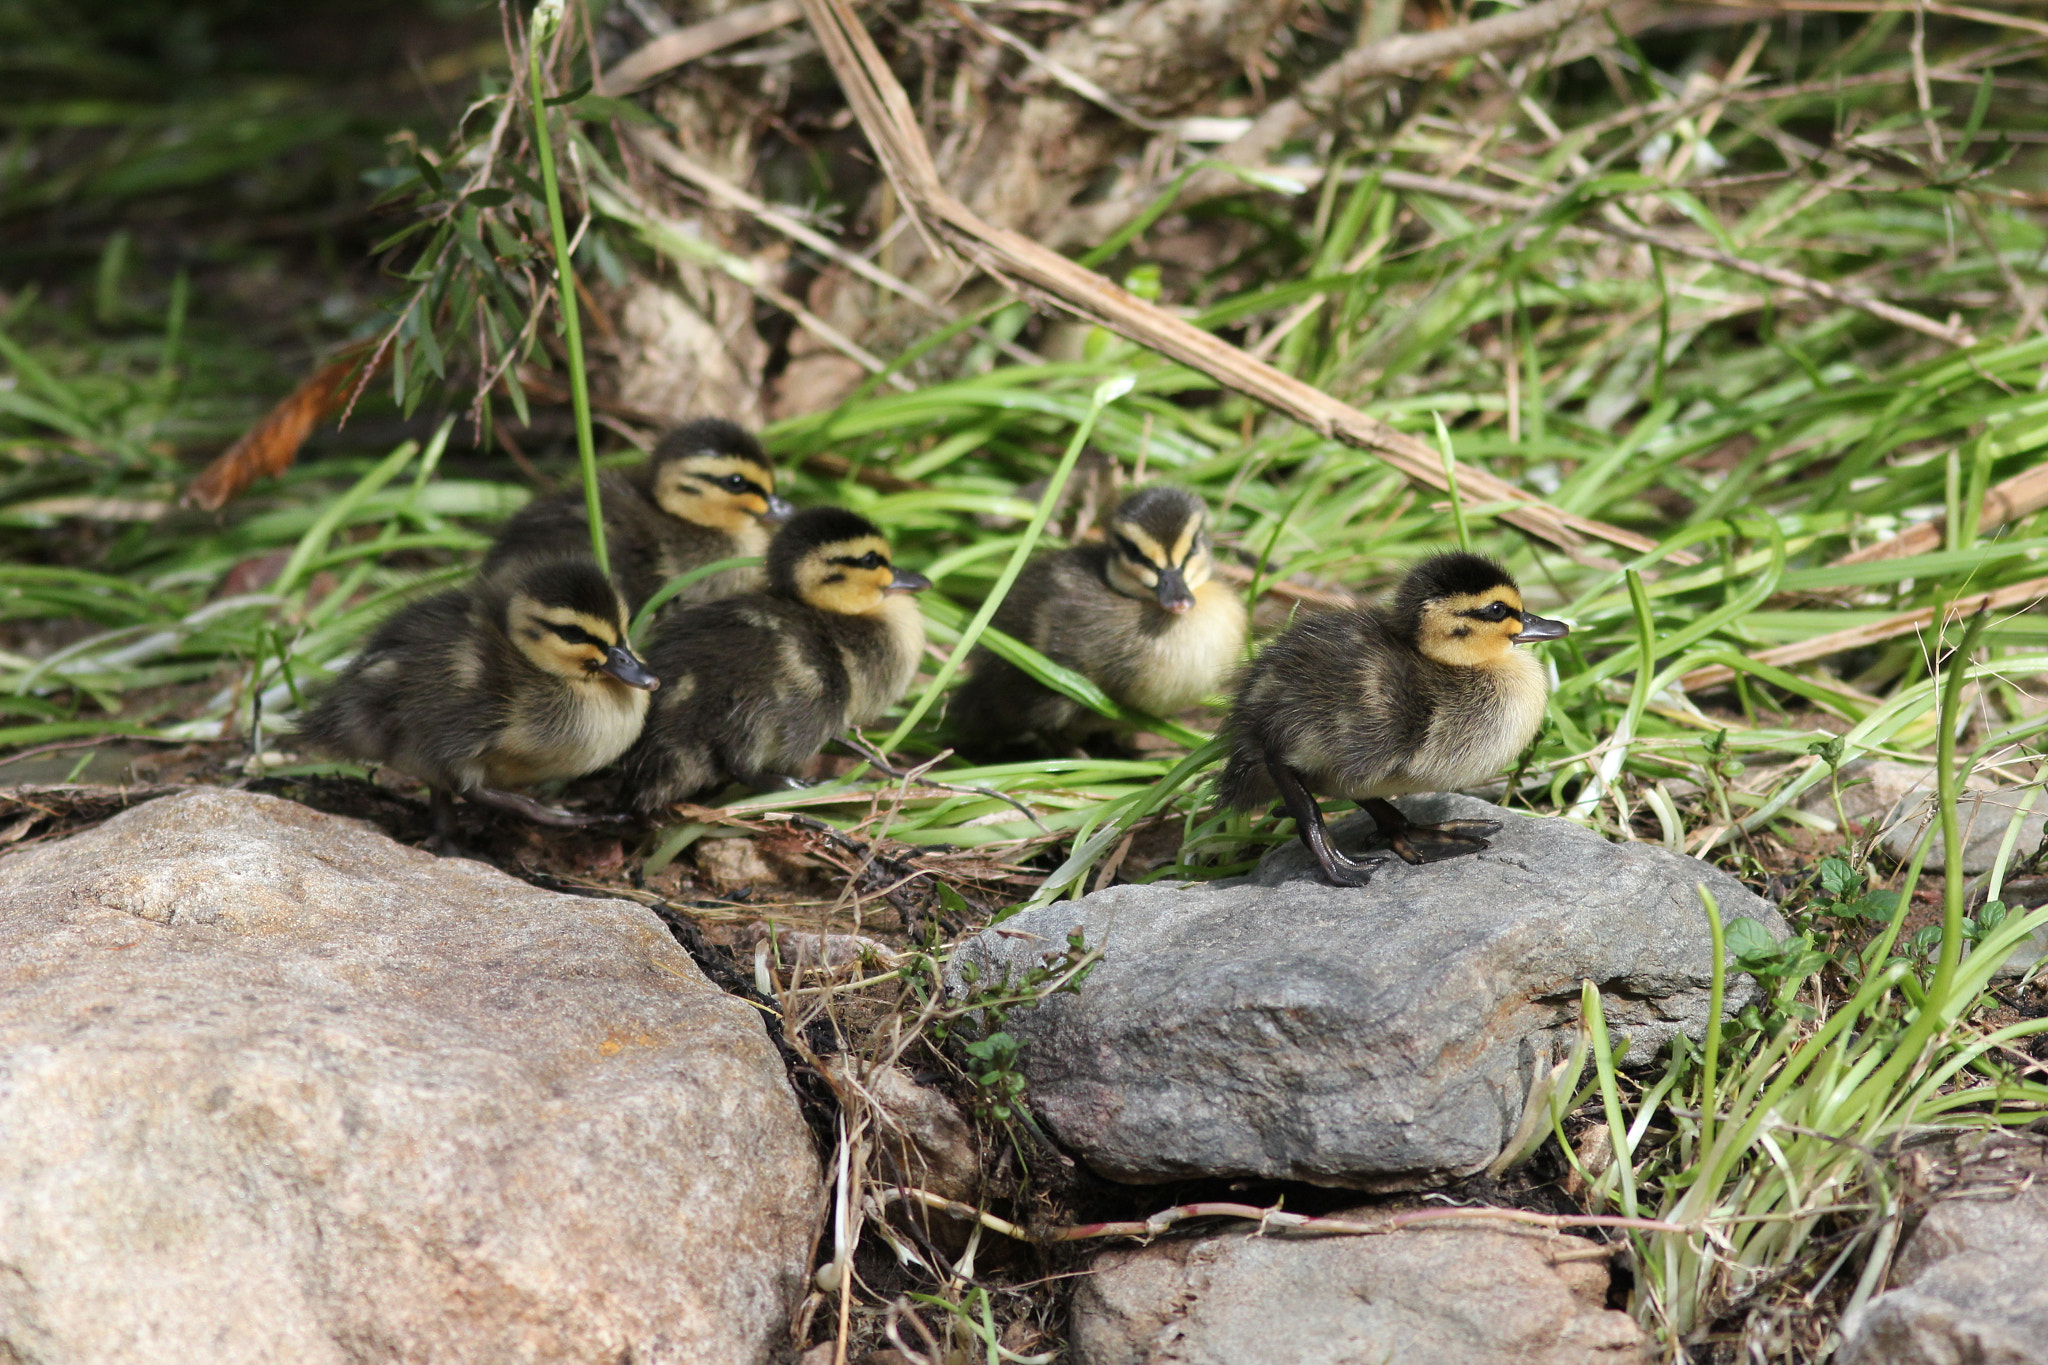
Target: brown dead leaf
{"points": [[268, 448]]}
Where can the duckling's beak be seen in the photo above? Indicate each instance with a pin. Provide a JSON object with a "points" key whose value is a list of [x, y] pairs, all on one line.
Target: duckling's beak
{"points": [[907, 581], [779, 510], [620, 663], [1536, 627], [1173, 591]]}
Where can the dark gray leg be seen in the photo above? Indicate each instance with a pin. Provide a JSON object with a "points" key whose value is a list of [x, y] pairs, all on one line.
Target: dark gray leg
{"points": [[1402, 834], [1338, 869]]}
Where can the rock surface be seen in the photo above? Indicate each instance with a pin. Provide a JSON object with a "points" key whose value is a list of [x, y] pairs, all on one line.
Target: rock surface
{"points": [[277, 1088], [1378, 1037], [1973, 1277], [1895, 801], [1445, 1296]]}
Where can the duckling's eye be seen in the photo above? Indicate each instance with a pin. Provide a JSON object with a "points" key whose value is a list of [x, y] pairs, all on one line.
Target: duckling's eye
{"points": [[871, 560], [1129, 549], [1494, 611], [736, 483]]}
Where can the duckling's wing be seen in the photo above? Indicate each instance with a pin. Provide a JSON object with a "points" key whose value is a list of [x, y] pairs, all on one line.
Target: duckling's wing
{"points": [[413, 698], [1001, 708], [1336, 699], [749, 687]]}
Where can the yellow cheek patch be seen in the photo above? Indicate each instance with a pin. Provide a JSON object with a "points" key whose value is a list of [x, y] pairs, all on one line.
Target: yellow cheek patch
{"points": [[832, 578]]}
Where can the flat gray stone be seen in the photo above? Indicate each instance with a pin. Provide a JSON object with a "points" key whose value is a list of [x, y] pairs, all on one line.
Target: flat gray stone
{"points": [[1378, 1037], [1972, 1278], [276, 1088], [1983, 817], [1443, 1296]]}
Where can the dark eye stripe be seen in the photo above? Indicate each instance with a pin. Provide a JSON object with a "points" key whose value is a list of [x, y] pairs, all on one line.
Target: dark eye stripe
{"points": [[717, 483], [1492, 611], [577, 635], [1129, 549], [859, 561]]}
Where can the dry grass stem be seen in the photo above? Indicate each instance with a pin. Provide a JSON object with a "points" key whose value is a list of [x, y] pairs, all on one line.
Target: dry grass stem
{"points": [[885, 114]]}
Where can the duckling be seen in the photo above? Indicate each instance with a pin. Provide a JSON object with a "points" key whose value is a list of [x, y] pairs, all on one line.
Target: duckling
{"points": [[519, 677], [703, 496], [758, 683], [1426, 692], [1138, 613]]}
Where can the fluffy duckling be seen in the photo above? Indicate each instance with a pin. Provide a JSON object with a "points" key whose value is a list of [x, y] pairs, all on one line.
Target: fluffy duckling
{"points": [[521, 677], [703, 496], [1426, 692], [758, 683], [1138, 613]]}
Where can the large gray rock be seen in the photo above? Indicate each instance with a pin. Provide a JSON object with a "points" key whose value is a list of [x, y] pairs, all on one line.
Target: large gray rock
{"points": [[1973, 1277], [274, 1087], [1443, 1296], [1378, 1037]]}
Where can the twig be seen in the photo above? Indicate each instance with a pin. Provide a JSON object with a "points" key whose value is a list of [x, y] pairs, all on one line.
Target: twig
{"points": [[1277, 1220], [1391, 57], [1878, 308], [1678, 246], [672, 159], [616, 200], [891, 125], [2010, 500], [883, 766], [1835, 642], [672, 49]]}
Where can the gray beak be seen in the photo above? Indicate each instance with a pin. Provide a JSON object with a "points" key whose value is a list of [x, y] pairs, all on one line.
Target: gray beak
{"points": [[907, 581], [1173, 591], [779, 511], [1536, 627], [621, 664]]}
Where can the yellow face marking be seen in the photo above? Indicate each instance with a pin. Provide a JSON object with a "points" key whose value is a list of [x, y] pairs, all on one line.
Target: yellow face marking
{"points": [[1139, 578], [561, 641], [724, 492], [1471, 630], [850, 577]]}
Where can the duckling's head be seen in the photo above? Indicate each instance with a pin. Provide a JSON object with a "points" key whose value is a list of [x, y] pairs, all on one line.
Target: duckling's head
{"points": [[1464, 610], [836, 561], [713, 473], [570, 621], [1159, 546]]}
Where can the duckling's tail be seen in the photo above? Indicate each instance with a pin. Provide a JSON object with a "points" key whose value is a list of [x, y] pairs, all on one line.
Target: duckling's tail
{"points": [[1245, 783]]}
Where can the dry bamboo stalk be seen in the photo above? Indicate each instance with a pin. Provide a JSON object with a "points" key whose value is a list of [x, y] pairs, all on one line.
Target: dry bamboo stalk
{"points": [[1836, 642], [671, 50], [884, 111], [2016, 497]]}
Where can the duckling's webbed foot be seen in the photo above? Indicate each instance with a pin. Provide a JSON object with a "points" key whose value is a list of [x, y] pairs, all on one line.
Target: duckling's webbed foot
{"points": [[1418, 844], [539, 813], [1338, 868]]}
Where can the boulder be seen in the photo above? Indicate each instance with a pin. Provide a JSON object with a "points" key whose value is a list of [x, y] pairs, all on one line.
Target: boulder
{"points": [[275, 1087], [1972, 1279], [1463, 1295], [1378, 1037]]}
